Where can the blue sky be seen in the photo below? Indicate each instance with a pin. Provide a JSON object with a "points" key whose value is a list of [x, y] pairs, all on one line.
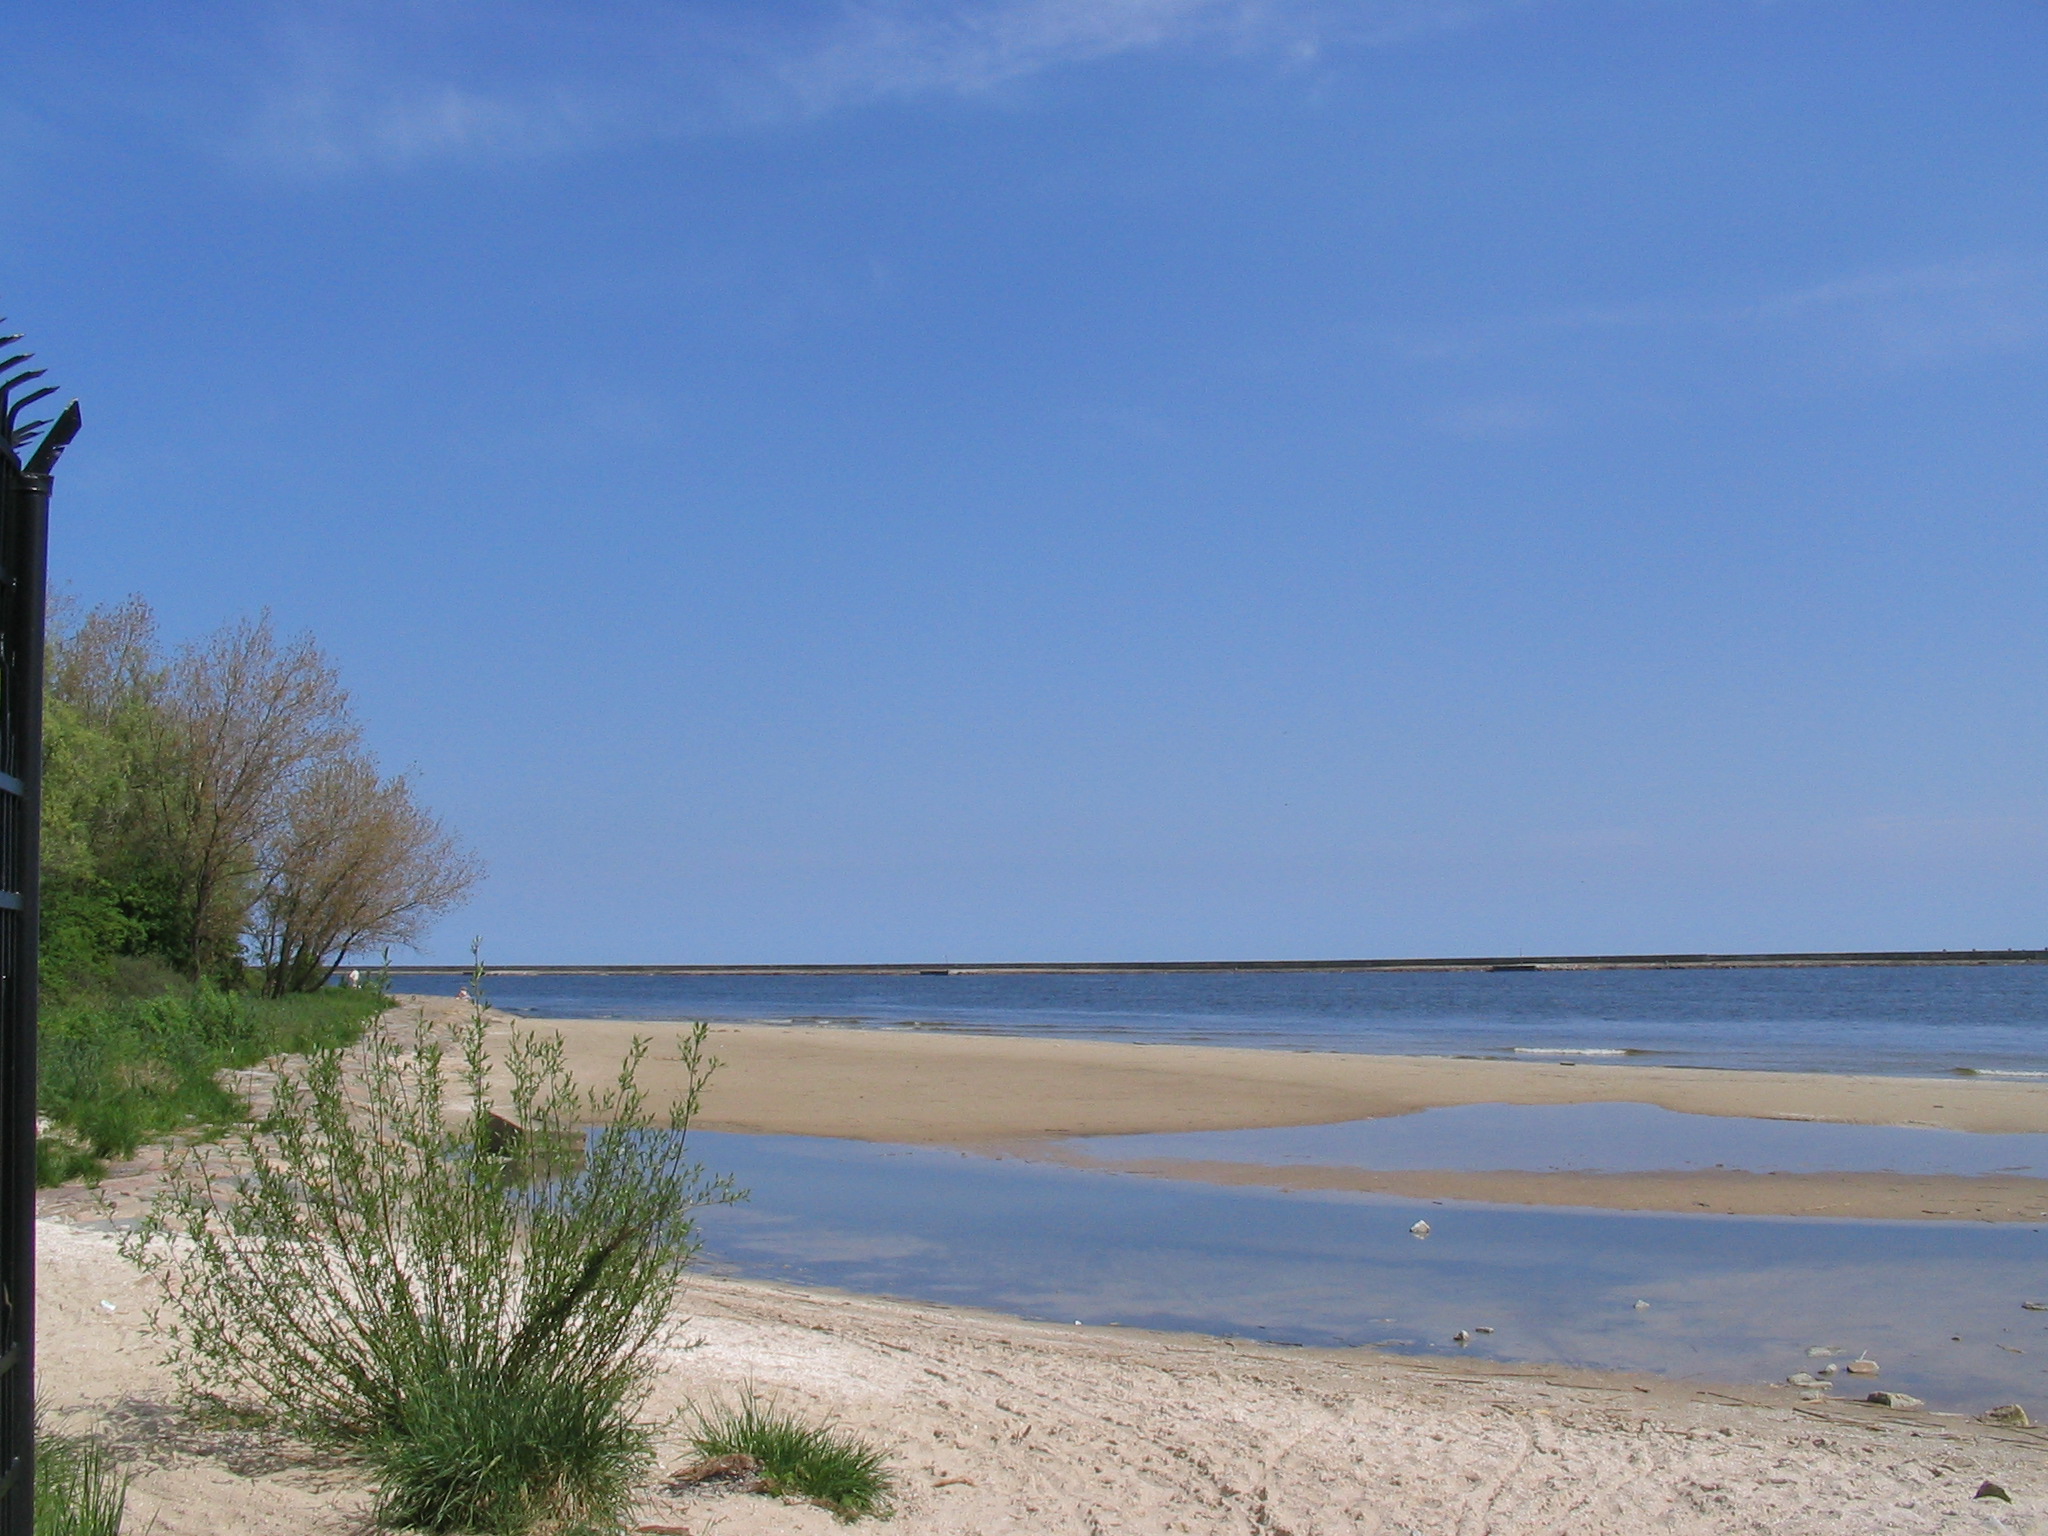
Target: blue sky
{"points": [[1136, 478]]}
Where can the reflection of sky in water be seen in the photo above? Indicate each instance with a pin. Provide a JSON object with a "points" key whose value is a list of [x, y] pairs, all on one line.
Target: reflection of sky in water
{"points": [[1616, 1138], [1732, 1298]]}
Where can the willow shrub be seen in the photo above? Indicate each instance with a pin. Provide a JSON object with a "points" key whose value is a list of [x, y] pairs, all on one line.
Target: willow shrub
{"points": [[423, 1254]]}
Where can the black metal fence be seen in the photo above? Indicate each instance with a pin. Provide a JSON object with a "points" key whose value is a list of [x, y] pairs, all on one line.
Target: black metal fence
{"points": [[24, 523]]}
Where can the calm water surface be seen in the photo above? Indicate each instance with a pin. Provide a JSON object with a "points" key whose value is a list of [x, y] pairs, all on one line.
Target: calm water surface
{"points": [[1919, 1020], [1937, 1304]]}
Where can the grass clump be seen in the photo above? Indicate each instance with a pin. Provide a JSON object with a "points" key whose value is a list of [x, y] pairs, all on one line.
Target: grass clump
{"points": [[829, 1466], [79, 1491], [449, 1276], [115, 1071], [463, 1455]]}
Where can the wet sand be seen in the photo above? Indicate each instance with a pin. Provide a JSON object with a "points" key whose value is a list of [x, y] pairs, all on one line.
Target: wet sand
{"points": [[1014, 1095], [1869, 1196]]}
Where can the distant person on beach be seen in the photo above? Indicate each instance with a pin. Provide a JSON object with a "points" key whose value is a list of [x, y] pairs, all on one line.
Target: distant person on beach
{"points": [[355, 978], [462, 994]]}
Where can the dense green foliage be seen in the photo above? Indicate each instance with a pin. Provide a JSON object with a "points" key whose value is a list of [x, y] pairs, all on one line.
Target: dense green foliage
{"points": [[455, 1280], [120, 1070], [79, 1491], [212, 806], [817, 1462], [106, 895], [211, 828]]}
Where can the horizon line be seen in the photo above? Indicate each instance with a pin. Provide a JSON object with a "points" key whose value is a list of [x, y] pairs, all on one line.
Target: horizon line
{"points": [[1704, 960]]}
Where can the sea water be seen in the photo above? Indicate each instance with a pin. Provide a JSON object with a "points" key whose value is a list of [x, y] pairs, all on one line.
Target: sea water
{"points": [[1729, 1299], [1901, 1020], [1937, 1304]]}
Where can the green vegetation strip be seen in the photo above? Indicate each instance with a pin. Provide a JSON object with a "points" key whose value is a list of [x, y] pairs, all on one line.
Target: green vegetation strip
{"points": [[118, 1071]]}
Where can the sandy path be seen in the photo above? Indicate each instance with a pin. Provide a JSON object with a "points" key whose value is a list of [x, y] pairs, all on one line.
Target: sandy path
{"points": [[1039, 1429]]}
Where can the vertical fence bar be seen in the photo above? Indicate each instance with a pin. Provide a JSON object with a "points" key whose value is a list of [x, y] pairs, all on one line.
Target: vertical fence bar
{"points": [[24, 528]]}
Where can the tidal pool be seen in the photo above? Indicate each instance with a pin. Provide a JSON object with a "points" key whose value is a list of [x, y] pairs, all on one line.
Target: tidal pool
{"points": [[1591, 1138], [1731, 1299]]}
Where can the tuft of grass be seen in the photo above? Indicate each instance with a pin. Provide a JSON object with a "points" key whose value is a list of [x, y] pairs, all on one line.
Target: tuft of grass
{"points": [[465, 1456], [61, 1159], [829, 1466], [79, 1490], [423, 1256]]}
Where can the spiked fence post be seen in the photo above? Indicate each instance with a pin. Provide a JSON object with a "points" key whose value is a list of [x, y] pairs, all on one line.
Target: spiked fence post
{"points": [[24, 526]]}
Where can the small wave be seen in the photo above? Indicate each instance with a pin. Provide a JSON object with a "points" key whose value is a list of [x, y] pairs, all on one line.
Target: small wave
{"points": [[1591, 1050], [1996, 1072]]}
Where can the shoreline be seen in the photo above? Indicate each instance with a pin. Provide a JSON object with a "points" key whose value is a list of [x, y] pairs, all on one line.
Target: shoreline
{"points": [[1826, 1196], [1019, 1095], [974, 1090], [1001, 1426], [1700, 960]]}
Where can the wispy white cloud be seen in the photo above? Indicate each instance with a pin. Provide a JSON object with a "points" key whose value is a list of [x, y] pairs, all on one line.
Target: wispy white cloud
{"points": [[899, 49], [1497, 418], [903, 47], [345, 84], [329, 126], [1922, 315], [357, 83], [1904, 317]]}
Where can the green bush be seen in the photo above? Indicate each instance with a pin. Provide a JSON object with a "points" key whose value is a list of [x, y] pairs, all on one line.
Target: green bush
{"points": [[828, 1466], [83, 928], [115, 1071], [79, 1491], [467, 1453], [467, 1288]]}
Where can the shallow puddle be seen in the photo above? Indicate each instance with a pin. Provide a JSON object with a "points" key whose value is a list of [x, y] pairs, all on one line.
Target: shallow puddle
{"points": [[1736, 1299], [1590, 1138]]}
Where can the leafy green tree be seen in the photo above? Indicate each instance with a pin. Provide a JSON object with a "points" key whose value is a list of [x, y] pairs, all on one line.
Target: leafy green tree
{"points": [[214, 802]]}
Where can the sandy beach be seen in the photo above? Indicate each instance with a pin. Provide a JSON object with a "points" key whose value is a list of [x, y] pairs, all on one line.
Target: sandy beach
{"points": [[996, 1424], [1016, 1096], [1001, 1426]]}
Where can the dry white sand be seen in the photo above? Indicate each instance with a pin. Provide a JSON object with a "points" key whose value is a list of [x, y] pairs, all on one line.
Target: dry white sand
{"points": [[997, 1426]]}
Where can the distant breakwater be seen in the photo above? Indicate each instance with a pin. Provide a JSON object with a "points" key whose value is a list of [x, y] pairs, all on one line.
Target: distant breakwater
{"points": [[1158, 967]]}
